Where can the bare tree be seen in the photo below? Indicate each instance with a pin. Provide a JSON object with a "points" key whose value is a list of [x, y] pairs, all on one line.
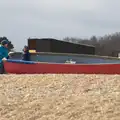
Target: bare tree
{"points": [[108, 45]]}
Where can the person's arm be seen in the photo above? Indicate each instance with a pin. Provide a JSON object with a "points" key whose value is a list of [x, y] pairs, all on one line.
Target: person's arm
{"points": [[6, 54], [24, 56], [3, 56]]}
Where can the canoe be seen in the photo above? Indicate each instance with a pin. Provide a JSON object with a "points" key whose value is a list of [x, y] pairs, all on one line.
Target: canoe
{"points": [[32, 67]]}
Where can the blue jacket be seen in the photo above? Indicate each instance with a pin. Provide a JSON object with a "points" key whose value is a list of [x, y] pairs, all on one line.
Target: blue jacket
{"points": [[26, 56], [3, 53]]}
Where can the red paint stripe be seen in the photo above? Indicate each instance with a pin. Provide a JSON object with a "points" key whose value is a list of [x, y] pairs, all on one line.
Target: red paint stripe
{"points": [[18, 68]]}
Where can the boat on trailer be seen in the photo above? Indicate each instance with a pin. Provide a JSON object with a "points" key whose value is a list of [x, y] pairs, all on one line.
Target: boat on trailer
{"points": [[33, 67]]}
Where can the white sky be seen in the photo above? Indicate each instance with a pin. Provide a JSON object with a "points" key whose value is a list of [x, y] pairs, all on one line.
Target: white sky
{"points": [[21, 19]]}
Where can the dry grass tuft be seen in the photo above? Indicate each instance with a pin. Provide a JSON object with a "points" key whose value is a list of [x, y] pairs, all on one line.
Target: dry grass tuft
{"points": [[59, 97]]}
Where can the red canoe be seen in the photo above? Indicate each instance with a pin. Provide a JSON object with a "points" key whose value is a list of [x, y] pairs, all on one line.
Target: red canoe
{"points": [[22, 67]]}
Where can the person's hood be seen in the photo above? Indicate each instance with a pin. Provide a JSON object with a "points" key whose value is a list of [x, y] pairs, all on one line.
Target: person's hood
{"points": [[4, 42]]}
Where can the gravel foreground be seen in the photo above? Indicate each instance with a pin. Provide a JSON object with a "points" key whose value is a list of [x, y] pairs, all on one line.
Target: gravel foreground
{"points": [[59, 97]]}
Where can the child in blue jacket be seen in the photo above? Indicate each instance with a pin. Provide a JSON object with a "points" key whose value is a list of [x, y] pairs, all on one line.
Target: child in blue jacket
{"points": [[26, 54]]}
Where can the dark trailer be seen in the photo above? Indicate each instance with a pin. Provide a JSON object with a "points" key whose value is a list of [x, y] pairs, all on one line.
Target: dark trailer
{"points": [[58, 46]]}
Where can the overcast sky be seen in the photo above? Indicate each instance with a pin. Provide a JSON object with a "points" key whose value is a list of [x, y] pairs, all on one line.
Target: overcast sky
{"points": [[21, 19]]}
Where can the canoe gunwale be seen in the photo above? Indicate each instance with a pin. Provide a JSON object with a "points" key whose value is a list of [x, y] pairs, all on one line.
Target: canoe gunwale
{"points": [[34, 62]]}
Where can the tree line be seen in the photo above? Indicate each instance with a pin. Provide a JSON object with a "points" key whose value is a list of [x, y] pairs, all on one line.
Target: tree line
{"points": [[108, 45]]}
